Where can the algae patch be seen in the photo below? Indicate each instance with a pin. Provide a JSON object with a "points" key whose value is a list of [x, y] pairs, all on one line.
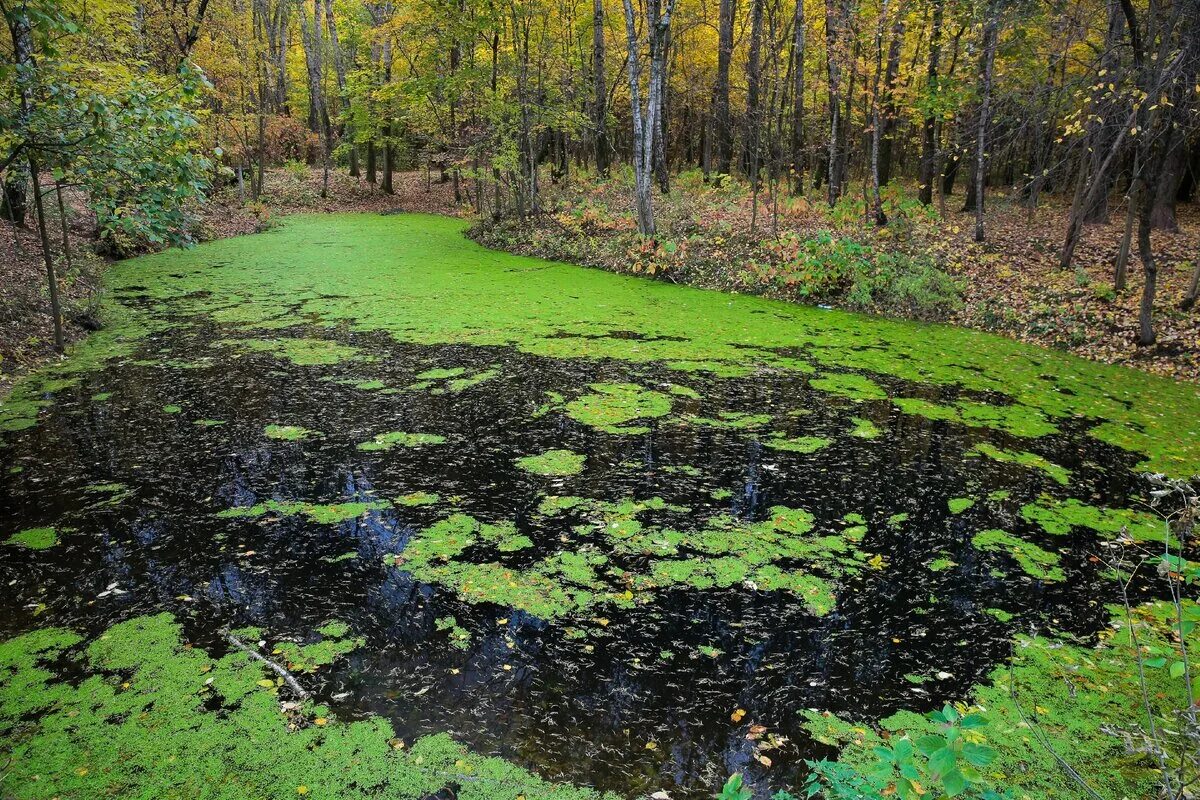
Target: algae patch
{"points": [[34, 538], [553, 463]]}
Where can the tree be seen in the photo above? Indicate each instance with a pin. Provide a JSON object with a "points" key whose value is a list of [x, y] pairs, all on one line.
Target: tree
{"points": [[646, 119]]}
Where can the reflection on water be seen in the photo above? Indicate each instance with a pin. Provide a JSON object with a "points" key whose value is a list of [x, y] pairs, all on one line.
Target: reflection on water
{"points": [[637, 701]]}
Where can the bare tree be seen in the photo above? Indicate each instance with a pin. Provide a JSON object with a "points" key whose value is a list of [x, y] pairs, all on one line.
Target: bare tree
{"points": [[646, 120]]}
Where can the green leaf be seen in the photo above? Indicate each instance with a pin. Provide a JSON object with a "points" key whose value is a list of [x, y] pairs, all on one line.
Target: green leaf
{"points": [[954, 783], [1155, 663], [1177, 669], [929, 744], [978, 754], [942, 761]]}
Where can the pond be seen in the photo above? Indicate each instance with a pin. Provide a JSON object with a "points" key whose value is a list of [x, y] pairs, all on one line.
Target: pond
{"points": [[612, 532]]}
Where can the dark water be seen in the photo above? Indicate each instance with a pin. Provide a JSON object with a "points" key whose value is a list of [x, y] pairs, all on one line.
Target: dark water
{"points": [[570, 712]]}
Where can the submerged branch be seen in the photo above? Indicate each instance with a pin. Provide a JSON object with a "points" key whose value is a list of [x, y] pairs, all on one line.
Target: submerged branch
{"points": [[257, 656]]}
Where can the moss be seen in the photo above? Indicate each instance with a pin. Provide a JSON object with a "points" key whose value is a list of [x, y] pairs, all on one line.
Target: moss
{"points": [[553, 462], [322, 514], [386, 441], [844, 384], [147, 715], [796, 444], [289, 433], [610, 406], [35, 538], [1061, 475], [1033, 560], [958, 505]]}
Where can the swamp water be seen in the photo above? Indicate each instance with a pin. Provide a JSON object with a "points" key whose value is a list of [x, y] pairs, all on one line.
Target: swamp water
{"points": [[611, 532]]}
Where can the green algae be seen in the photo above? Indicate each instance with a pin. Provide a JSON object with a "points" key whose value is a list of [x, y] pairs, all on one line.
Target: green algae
{"points": [[733, 420], [555, 586], [289, 433], [1076, 696], [845, 384], [171, 408], [610, 406], [1059, 474], [150, 716], [488, 298], [209, 423], [301, 352], [683, 391], [387, 441], [796, 444], [864, 428], [553, 463], [459, 637], [438, 374], [331, 644], [958, 505], [320, 513], [724, 552], [1017, 420], [1058, 517], [34, 538], [1033, 560], [419, 498]]}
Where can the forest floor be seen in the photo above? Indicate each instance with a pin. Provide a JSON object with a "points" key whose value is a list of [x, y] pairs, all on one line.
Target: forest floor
{"points": [[709, 236]]}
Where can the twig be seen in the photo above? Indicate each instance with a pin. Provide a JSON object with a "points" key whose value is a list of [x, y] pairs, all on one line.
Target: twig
{"points": [[257, 656], [1043, 740]]}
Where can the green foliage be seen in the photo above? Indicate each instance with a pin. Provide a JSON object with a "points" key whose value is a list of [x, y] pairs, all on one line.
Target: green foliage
{"points": [[825, 265], [946, 762], [734, 789]]}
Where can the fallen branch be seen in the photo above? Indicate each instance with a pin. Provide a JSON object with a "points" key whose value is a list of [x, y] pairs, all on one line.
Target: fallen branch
{"points": [[257, 656]]}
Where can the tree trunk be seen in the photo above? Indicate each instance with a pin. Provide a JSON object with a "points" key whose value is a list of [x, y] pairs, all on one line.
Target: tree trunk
{"points": [[51, 277], [62, 222], [753, 81], [313, 46], [990, 36], [798, 161], [13, 201], [1095, 210], [929, 154], [645, 122], [722, 124], [876, 120], [1163, 215], [890, 112], [603, 150], [1121, 271], [834, 20], [1150, 270]]}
